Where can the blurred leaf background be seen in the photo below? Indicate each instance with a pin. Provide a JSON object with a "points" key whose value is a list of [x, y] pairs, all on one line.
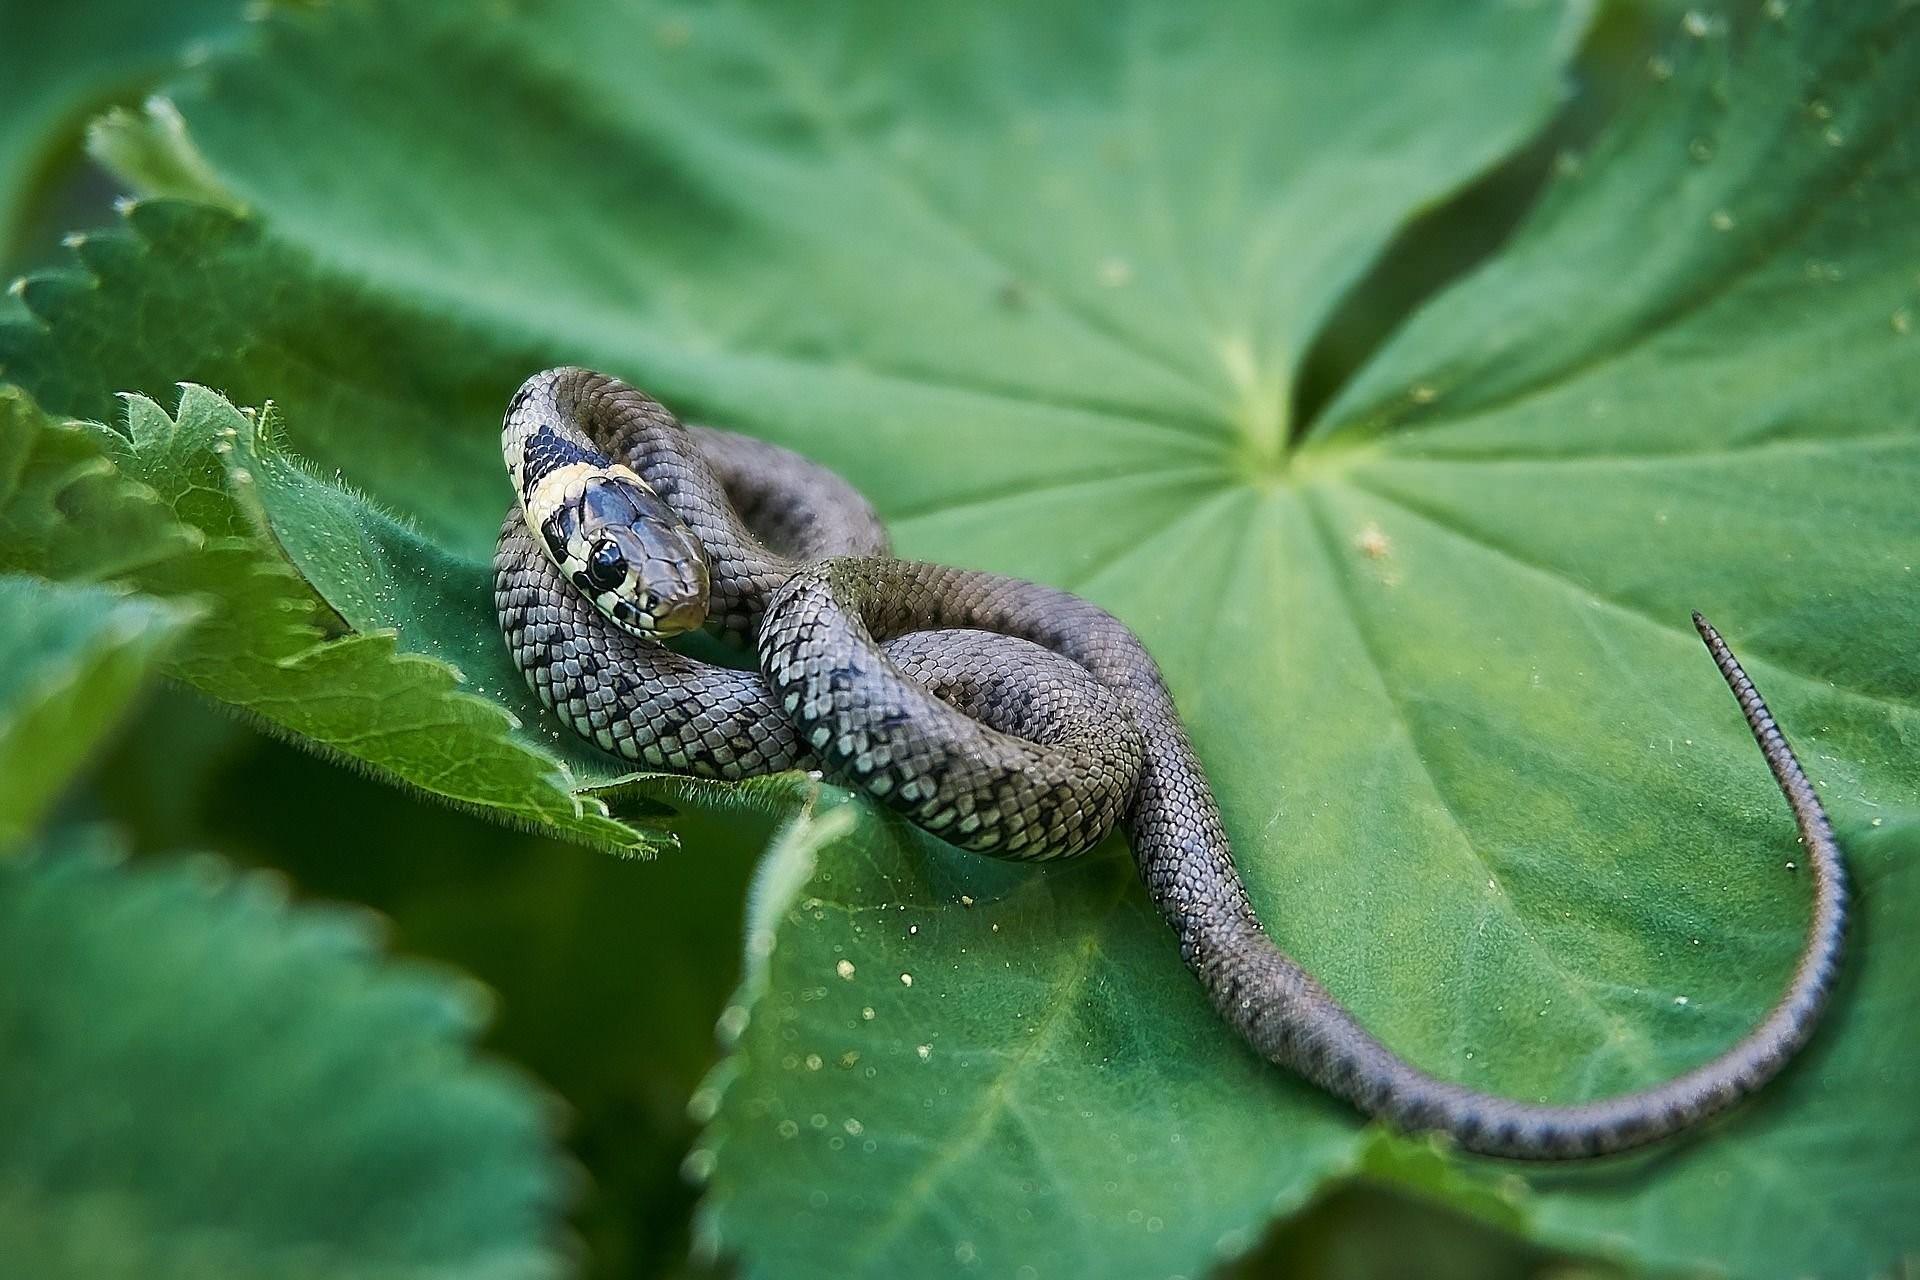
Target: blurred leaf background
{"points": [[567, 1141]]}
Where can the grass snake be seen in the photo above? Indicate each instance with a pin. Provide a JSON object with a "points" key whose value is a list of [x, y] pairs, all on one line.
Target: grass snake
{"points": [[1004, 716]]}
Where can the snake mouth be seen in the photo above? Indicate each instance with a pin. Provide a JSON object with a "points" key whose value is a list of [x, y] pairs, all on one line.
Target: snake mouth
{"points": [[679, 618], [669, 601]]}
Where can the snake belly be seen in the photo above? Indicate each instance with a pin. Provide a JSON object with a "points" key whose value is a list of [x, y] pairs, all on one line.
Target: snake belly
{"points": [[1018, 720]]}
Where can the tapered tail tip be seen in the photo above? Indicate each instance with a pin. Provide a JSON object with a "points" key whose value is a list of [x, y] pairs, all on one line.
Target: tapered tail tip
{"points": [[1701, 624]]}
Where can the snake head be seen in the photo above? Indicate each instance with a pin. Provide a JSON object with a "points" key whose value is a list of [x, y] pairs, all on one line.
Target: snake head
{"points": [[622, 546]]}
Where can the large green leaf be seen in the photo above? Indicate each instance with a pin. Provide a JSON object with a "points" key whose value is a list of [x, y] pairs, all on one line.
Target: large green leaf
{"points": [[1040, 281], [196, 1080], [75, 655], [939, 1064]]}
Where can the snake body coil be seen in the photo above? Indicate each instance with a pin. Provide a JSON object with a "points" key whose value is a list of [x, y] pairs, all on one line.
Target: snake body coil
{"points": [[1001, 715]]}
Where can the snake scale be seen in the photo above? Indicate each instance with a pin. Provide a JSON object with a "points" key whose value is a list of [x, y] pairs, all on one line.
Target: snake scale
{"points": [[1003, 716]]}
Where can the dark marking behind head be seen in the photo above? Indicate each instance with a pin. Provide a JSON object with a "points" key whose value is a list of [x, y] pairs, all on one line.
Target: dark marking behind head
{"points": [[547, 451]]}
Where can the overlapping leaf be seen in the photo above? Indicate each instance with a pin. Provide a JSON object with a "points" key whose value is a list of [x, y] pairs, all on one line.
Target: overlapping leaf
{"points": [[196, 1080], [608, 975], [75, 656], [1040, 284]]}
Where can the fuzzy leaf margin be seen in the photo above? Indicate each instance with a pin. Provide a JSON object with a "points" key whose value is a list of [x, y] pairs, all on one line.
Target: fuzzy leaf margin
{"points": [[155, 506]]}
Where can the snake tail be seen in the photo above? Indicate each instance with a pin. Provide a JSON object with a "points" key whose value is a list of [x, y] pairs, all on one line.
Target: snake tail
{"points": [[1000, 715], [1284, 1013]]}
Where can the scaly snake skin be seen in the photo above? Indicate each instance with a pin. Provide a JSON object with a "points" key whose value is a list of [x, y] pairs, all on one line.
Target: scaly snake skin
{"points": [[1013, 719]]}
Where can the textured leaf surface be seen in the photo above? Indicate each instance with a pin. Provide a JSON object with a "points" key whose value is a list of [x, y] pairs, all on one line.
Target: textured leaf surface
{"points": [[197, 1080], [941, 1065], [75, 656], [1040, 286]]}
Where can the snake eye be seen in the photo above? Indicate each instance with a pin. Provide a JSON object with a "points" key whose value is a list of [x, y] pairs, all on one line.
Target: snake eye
{"points": [[606, 567]]}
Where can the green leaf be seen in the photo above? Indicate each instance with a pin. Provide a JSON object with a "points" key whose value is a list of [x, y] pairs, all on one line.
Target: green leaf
{"points": [[1731, 422], [197, 1080], [76, 655], [1040, 281], [940, 1064], [65, 511], [183, 528], [59, 61]]}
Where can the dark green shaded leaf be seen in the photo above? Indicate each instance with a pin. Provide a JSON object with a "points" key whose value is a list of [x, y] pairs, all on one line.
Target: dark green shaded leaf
{"points": [[74, 657], [59, 61], [609, 972], [196, 1080]]}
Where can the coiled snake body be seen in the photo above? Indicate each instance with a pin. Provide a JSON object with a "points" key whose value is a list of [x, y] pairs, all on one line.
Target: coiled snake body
{"points": [[1004, 716]]}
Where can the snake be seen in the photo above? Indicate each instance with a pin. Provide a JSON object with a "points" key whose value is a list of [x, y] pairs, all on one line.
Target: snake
{"points": [[1005, 717]]}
